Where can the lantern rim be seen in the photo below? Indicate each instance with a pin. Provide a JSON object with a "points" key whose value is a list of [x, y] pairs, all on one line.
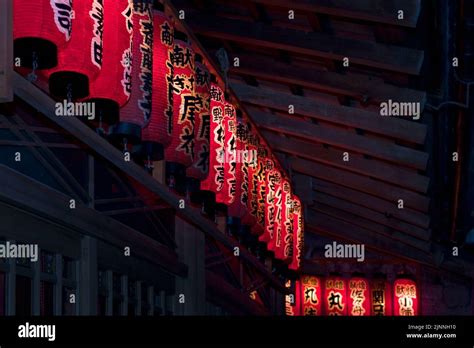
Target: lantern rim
{"points": [[59, 82], [46, 50]]}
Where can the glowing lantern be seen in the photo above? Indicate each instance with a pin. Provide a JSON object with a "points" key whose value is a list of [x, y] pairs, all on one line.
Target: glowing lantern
{"points": [[293, 300], [156, 134], [238, 207], [298, 234], [284, 250], [311, 295], [226, 195], [80, 60], [111, 89], [249, 166], [200, 166], [358, 297], [180, 153], [40, 27], [335, 296], [405, 297], [139, 63], [215, 180], [381, 298], [276, 243], [273, 183], [258, 191]]}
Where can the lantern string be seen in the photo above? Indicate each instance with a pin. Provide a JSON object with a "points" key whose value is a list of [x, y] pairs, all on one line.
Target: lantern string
{"points": [[32, 77], [69, 92], [100, 129]]}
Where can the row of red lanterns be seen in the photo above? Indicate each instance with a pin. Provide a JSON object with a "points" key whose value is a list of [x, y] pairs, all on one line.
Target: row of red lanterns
{"points": [[357, 296], [150, 87]]}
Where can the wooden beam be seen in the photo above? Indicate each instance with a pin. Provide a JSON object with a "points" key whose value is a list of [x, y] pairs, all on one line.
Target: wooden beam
{"points": [[326, 225], [43, 103], [348, 116], [369, 214], [365, 88], [382, 56], [376, 204], [379, 11], [340, 138], [380, 230], [357, 163], [6, 50], [364, 184]]}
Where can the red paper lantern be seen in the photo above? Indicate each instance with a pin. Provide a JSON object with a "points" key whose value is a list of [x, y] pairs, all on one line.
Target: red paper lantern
{"points": [[138, 109], [249, 167], [238, 207], [200, 166], [277, 242], [80, 61], [284, 250], [298, 234], [273, 182], [215, 179], [405, 297], [40, 27], [335, 296], [111, 89], [258, 191], [311, 295], [358, 297], [157, 132], [381, 297], [181, 149], [230, 160], [293, 300]]}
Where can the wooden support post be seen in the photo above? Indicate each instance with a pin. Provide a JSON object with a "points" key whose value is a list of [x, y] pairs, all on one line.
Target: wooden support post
{"points": [[58, 287], [11, 286], [36, 285], [88, 278], [109, 283], [163, 302], [6, 50], [159, 172], [138, 292], [190, 242], [150, 300], [124, 293]]}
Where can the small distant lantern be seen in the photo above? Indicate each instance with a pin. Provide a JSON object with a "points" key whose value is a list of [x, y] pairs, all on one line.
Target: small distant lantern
{"points": [[179, 154], [157, 132], [298, 234], [358, 296], [284, 251], [335, 295], [311, 295], [238, 207], [111, 89], [293, 300], [250, 178], [40, 28], [381, 296], [80, 60], [136, 113], [405, 297]]}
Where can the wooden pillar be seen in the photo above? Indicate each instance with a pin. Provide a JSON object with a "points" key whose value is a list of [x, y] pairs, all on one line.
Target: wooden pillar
{"points": [[138, 292], [109, 302], [190, 242], [124, 293], [6, 50], [150, 300], [58, 287], [88, 287], [163, 302], [36, 285], [11, 286]]}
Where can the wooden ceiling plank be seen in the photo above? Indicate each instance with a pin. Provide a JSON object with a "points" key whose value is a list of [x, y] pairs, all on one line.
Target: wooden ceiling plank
{"points": [[364, 184], [340, 138], [367, 53], [371, 202], [329, 226], [357, 163], [349, 116], [364, 88], [381, 11], [379, 229], [371, 215]]}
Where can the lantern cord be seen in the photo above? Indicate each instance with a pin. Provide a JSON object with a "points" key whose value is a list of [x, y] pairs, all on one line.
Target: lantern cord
{"points": [[69, 92], [100, 129], [125, 145], [149, 165], [32, 77]]}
